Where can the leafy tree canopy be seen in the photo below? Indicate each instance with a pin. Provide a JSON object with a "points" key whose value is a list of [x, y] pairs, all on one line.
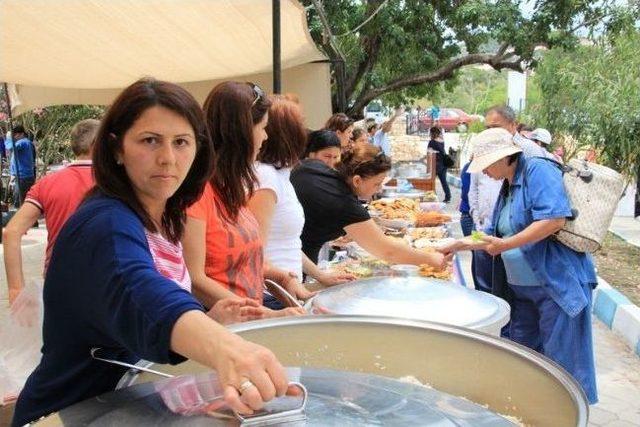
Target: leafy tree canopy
{"points": [[402, 50], [592, 93]]}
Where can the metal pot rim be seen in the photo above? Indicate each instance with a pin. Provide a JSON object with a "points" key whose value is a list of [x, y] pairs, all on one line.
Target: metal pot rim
{"points": [[519, 350]]}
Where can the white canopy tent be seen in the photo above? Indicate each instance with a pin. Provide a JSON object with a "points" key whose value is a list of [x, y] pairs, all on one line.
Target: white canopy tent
{"points": [[86, 51]]}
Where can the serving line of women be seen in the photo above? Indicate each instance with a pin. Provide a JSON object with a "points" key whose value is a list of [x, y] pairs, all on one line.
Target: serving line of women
{"points": [[548, 285], [331, 200], [274, 203], [223, 247], [104, 288]]}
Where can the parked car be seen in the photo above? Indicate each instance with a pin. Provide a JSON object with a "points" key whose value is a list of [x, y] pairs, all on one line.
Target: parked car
{"points": [[451, 119], [376, 111]]}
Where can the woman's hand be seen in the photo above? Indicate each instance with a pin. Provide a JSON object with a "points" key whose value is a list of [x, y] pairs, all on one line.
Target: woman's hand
{"points": [[495, 246], [285, 312], [236, 310], [453, 247], [297, 289], [249, 373], [335, 278]]}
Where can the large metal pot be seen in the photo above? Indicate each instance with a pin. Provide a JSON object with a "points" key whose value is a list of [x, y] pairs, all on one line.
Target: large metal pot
{"points": [[417, 298], [509, 378]]}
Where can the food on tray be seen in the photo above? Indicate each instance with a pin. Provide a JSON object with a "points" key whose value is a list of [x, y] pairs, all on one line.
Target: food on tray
{"points": [[401, 208], [428, 271], [372, 262], [427, 233], [431, 219], [432, 243], [430, 197]]}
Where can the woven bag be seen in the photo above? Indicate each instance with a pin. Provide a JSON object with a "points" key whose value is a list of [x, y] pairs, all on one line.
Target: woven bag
{"points": [[594, 191]]}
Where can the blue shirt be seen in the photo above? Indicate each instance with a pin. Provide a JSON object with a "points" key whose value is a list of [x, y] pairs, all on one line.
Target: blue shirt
{"points": [[23, 153], [517, 268], [102, 289], [380, 139], [465, 178], [538, 193]]}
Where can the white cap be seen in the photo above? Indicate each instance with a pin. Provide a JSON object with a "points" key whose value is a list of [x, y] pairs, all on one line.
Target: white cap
{"points": [[541, 135]]}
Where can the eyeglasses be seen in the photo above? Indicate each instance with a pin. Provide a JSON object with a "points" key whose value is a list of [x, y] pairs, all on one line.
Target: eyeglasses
{"points": [[258, 92]]}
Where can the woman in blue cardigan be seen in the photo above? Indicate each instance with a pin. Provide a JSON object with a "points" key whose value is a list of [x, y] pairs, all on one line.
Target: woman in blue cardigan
{"points": [[103, 290]]}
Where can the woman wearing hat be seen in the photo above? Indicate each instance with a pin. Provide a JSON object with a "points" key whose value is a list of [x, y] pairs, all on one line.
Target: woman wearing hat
{"points": [[549, 285]]}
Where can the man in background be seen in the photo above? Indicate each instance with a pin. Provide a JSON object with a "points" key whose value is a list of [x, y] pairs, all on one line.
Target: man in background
{"points": [[23, 165], [542, 137], [56, 196], [380, 137]]}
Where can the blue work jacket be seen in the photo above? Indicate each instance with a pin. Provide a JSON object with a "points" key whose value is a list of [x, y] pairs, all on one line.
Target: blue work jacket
{"points": [[538, 193]]}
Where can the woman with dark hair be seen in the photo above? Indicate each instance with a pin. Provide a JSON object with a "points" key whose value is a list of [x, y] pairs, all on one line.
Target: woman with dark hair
{"points": [[331, 202], [342, 125], [274, 203], [436, 143], [359, 138], [105, 294], [324, 145], [222, 245]]}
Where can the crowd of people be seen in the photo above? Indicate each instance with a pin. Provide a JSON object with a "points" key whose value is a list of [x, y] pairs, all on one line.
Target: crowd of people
{"points": [[170, 221], [174, 216]]}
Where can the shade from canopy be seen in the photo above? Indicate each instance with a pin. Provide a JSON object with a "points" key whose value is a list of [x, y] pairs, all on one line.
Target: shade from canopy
{"points": [[86, 51]]}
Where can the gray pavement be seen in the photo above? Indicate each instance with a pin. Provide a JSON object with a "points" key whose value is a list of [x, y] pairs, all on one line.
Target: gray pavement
{"points": [[626, 228]]}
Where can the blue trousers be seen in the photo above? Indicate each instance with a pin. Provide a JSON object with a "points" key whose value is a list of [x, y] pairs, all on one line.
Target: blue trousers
{"points": [[482, 271], [540, 324]]}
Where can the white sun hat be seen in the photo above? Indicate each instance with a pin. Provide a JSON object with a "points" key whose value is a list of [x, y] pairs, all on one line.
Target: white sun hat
{"points": [[489, 146], [541, 135]]}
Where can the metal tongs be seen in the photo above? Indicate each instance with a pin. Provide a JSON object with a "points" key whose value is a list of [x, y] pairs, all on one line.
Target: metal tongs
{"points": [[170, 387], [281, 293]]}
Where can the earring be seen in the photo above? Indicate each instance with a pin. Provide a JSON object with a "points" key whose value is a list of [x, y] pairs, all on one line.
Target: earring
{"points": [[119, 162]]}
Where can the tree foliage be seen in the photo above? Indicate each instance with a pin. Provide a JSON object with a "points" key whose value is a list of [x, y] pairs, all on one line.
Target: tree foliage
{"points": [[592, 93], [408, 49]]}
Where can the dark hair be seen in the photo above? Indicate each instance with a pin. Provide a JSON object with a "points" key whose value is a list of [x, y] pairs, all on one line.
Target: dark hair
{"points": [[338, 122], [435, 132], [524, 127], [503, 111], [83, 135], [111, 178], [372, 125], [17, 129], [231, 110], [513, 157], [321, 139], [357, 133], [365, 161], [286, 134]]}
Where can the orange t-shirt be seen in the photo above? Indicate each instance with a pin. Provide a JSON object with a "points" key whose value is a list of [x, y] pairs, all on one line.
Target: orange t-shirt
{"points": [[234, 255]]}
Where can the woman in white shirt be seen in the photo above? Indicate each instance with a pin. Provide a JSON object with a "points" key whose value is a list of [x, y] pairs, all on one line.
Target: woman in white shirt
{"points": [[274, 203]]}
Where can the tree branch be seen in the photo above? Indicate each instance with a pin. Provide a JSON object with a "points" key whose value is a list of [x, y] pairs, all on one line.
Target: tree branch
{"points": [[366, 21], [371, 44], [443, 73]]}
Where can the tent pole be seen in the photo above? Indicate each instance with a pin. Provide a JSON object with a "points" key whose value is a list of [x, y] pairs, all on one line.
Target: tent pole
{"points": [[277, 67]]}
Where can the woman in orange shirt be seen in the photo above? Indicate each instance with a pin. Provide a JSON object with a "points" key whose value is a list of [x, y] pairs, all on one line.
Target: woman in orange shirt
{"points": [[222, 245]]}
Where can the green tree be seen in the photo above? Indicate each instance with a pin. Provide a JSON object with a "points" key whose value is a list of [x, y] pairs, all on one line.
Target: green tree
{"points": [[402, 50], [51, 128], [592, 94]]}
